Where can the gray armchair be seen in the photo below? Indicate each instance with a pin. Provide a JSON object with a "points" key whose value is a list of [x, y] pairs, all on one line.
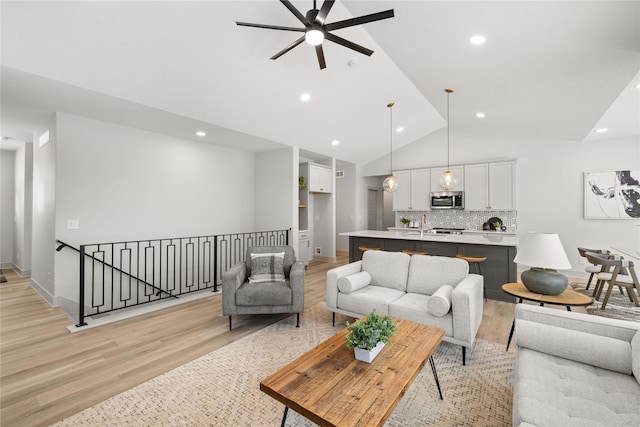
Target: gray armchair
{"points": [[264, 296]]}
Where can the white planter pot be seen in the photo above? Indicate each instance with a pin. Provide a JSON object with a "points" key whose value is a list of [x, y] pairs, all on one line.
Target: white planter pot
{"points": [[366, 355]]}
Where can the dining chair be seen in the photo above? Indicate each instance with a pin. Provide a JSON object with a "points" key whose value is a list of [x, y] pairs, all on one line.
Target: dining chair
{"points": [[623, 275], [592, 269]]}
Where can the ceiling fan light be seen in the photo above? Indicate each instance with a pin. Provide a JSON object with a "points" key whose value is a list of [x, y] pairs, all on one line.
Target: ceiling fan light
{"points": [[314, 37]]}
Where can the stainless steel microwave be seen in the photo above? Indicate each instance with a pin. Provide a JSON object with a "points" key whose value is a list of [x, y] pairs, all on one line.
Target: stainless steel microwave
{"points": [[447, 200]]}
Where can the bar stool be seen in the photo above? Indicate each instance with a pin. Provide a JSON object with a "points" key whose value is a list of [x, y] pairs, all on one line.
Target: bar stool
{"points": [[364, 248], [410, 252], [476, 261]]}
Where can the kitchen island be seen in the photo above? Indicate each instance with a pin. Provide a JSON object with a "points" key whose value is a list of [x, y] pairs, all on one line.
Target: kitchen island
{"points": [[500, 250]]}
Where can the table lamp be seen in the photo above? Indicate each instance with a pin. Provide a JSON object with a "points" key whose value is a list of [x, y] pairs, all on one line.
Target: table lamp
{"points": [[545, 254]]}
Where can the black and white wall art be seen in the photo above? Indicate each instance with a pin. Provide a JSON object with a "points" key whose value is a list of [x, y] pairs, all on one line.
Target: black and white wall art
{"points": [[612, 195]]}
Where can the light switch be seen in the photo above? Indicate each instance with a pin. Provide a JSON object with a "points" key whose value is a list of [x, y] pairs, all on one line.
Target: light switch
{"points": [[73, 224]]}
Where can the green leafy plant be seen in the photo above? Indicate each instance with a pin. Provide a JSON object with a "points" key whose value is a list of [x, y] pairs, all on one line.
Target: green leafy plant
{"points": [[367, 333], [405, 220], [302, 184]]}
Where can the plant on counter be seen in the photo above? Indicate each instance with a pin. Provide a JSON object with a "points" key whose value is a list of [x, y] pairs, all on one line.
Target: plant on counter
{"points": [[405, 220], [366, 334]]}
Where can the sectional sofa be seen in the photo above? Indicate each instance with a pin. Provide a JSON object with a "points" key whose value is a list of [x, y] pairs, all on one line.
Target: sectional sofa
{"points": [[575, 369]]}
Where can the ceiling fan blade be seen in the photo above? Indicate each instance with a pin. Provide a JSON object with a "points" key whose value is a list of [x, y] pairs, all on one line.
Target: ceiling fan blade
{"points": [[324, 11], [347, 43], [320, 55], [359, 20], [295, 11], [269, 27], [288, 48]]}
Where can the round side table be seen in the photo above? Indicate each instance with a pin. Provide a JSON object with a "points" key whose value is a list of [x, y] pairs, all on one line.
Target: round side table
{"points": [[569, 298]]}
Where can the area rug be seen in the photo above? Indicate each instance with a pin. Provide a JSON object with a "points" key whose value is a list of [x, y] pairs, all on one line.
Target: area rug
{"points": [[222, 387], [618, 306]]}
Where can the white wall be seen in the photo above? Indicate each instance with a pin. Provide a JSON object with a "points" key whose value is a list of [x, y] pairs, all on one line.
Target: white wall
{"points": [[7, 207], [345, 204], [123, 183], [23, 209], [276, 192], [44, 213], [549, 174]]}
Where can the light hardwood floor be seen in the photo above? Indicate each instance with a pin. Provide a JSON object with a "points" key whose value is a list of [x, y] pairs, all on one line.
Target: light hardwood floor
{"points": [[48, 374]]}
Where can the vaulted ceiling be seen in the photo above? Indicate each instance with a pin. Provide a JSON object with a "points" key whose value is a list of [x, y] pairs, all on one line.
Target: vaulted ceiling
{"points": [[548, 69]]}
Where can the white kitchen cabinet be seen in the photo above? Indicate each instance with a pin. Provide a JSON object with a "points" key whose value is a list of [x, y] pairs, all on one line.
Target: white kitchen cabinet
{"points": [[502, 189], [458, 171], [304, 247], [476, 188], [420, 189], [413, 190], [320, 179], [402, 195], [490, 186]]}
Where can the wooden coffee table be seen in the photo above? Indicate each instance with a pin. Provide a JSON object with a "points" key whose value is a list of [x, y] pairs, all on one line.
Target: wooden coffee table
{"points": [[569, 298], [331, 388]]}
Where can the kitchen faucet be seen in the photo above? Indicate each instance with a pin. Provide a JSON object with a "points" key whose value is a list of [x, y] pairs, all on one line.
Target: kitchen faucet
{"points": [[423, 219]]}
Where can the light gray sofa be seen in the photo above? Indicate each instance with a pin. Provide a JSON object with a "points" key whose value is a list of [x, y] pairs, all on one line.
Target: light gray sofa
{"points": [[575, 369], [239, 296], [432, 290]]}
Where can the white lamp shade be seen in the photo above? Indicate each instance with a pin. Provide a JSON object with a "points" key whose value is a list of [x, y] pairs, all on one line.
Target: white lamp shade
{"points": [[543, 250], [314, 37]]}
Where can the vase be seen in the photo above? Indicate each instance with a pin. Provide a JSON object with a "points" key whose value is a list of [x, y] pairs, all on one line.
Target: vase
{"points": [[368, 355]]}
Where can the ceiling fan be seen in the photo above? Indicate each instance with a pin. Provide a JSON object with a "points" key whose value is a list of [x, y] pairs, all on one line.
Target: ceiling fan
{"points": [[316, 30]]}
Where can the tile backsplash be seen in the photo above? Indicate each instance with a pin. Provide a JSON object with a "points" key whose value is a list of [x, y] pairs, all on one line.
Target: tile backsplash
{"points": [[469, 220]]}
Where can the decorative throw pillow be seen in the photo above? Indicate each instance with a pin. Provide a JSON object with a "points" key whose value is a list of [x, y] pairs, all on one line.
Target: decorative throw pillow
{"points": [[353, 282], [267, 267], [440, 302]]}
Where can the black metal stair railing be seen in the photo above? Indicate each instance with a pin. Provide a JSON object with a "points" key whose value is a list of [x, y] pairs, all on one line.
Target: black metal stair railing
{"points": [[119, 275]]}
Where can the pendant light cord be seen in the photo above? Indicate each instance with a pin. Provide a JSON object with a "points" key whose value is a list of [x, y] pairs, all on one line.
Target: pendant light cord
{"points": [[390, 105], [448, 127]]}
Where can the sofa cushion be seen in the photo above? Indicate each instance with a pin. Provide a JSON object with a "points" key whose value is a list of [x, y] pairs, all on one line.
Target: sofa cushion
{"points": [[264, 293], [553, 391], [428, 273], [267, 267], [353, 282], [635, 356], [604, 352], [414, 307], [369, 298], [440, 301], [387, 269]]}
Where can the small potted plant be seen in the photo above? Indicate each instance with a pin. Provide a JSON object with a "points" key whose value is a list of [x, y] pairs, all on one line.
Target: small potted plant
{"points": [[405, 221], [302, 183], [367, 337]]}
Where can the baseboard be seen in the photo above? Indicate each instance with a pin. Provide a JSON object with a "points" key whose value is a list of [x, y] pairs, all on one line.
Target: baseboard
{"points": [[21, 272], [42, 292]]}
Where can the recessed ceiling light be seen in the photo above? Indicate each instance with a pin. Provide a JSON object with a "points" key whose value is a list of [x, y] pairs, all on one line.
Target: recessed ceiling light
{"points": [[400, 129], [638, 86], [601, 130], [200, 133], [305, 97], [481, 115], [335, 142], [478, 39]]}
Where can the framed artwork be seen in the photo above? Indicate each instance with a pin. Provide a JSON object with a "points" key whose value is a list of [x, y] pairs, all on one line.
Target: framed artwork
{"points": [[612, 195]]}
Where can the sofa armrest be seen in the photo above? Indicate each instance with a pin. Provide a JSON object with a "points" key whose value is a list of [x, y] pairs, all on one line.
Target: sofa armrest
{"points": [[334, 275], [583, 338], [232, 279], [466, 308], [296, 281]]}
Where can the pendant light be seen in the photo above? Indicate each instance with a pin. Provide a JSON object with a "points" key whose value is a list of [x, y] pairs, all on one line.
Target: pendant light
{"points": [[390, 183], [448, 180]]}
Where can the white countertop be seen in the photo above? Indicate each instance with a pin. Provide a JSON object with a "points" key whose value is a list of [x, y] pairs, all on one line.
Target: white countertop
{"points": [[494, 239], [487, 232]]}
